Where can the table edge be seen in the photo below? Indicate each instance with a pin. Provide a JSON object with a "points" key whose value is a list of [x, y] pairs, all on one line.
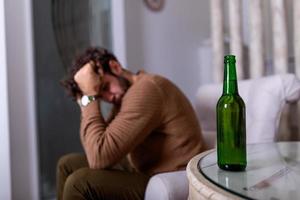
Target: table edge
{"points": [[202, 184]]}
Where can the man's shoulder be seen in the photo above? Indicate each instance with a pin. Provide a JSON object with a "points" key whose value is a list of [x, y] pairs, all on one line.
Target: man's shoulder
{"points": [[147, 82], [158, 80], [145, 91]]}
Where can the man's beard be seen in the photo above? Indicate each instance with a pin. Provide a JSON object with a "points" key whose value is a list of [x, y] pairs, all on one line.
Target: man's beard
{"points": [[124, 84]]}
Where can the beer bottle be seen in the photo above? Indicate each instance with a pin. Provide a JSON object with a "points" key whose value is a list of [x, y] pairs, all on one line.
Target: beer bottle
{"points": [[231, 122]]}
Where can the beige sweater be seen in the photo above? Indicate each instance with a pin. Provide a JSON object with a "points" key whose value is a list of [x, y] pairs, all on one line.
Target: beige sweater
{"points": [[156, 127]]}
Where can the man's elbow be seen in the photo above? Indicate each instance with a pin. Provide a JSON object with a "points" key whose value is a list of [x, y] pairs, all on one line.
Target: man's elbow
{"points": [[97, 163]]}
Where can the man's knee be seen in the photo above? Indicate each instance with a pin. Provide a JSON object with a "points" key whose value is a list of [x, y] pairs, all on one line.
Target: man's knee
{"points": [[86, 183], [67, 161], [77, 184], [84, 176], [63, 161]]}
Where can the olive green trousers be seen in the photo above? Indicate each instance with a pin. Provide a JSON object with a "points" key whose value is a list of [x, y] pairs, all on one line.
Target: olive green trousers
{"points": [[75, 180]]}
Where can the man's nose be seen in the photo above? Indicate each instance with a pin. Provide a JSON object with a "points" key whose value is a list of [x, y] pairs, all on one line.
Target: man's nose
{"points": [[108, 96]]}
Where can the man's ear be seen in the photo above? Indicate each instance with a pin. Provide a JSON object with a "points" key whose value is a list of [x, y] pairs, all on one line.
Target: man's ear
{"points": [[115, 67]]}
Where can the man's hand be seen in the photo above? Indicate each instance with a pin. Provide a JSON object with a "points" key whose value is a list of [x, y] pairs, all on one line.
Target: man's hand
{"points": [[87, 80]]}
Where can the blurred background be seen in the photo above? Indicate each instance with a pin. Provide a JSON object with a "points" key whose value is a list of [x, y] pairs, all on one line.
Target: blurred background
{"points": [[40, 38]]}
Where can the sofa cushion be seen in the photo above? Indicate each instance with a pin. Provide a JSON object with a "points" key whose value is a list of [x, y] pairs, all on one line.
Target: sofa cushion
{"points": [[264, 98]]}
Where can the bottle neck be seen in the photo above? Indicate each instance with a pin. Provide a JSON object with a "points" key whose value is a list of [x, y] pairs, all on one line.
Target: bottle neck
{"points": [[230, 85]]}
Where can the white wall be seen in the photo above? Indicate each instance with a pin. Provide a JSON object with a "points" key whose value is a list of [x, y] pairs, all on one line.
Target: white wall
{"points": [[21, 99], [5, 172], [168, 42]]}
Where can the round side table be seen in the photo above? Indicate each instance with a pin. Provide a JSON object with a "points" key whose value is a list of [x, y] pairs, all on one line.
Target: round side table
{"points": [[200, 187], [272, 172]]}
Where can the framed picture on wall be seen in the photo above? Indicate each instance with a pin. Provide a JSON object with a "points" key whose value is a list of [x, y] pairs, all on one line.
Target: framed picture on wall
{"points": [[155, 5]]}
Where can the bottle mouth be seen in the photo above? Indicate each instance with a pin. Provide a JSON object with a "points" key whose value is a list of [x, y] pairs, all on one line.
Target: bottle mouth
{"points": [[229, 59]]}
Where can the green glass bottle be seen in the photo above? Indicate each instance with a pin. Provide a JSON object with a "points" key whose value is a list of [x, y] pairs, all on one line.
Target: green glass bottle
{"points": [[231, 122]]}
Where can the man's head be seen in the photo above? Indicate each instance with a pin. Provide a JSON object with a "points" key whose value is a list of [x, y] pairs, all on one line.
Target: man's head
{"points": [[114, 83]]}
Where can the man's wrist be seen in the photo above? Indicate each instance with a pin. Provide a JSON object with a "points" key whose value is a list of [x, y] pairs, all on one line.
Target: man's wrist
{"points": [[85, 100], [90, 93]]}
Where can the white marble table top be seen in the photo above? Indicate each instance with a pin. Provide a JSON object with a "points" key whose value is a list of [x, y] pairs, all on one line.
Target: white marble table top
{"points": [[273, 172]]}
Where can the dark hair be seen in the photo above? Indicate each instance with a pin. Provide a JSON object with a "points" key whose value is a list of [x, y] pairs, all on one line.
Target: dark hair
{"points": [[99, 56]]}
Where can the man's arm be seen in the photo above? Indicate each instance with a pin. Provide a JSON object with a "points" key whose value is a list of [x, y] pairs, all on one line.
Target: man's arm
{"points": [[139, 115]]}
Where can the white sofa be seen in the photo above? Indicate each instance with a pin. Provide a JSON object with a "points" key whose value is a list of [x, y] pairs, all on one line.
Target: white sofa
{"points": [[264, 99]]}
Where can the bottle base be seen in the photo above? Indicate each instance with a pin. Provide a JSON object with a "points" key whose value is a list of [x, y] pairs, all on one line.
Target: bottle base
{"points": [[232, 167]]}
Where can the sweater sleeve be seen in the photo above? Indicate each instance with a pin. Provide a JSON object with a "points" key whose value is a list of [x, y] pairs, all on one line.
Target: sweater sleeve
{"points": [[140, 113]]}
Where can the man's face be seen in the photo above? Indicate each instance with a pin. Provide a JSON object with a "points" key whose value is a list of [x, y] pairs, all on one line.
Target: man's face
{"points": [[113, 89]]}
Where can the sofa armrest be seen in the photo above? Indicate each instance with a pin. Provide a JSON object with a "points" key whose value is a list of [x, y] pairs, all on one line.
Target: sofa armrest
{"points": [[167, 186]]}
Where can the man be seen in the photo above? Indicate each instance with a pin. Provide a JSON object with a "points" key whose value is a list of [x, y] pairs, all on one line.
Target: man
{"points": [[153, 125]]}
